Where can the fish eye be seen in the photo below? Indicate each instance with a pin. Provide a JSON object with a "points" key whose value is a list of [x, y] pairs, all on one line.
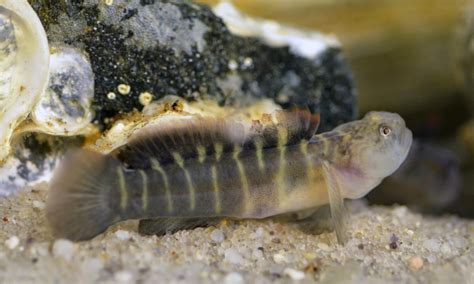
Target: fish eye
{"points": [[385, 131]]}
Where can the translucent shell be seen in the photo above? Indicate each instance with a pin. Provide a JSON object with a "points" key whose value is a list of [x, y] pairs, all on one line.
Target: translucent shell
{"points": [[24, 66]]}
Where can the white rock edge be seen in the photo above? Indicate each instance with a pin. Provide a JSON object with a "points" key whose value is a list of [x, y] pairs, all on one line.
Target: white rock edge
{"points": [[305, 43]]}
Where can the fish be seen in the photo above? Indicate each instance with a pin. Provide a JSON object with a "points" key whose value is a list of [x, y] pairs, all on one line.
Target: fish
{"points": [[175, 174]]}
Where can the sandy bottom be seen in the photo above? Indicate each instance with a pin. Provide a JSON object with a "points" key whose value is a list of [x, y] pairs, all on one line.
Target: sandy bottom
{"points": [[386, 244]]}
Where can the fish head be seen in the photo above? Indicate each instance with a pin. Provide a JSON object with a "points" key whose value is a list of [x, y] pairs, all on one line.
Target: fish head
{"points": [[387, 143], [375, 146]]}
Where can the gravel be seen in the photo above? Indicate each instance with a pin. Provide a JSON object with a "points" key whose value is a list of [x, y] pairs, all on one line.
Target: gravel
{"points": [[387, 244]]}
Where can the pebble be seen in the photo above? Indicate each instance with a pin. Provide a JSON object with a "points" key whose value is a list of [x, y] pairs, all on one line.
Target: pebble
{"points": [[324, 247], [12, 242], [431, 258], [409, 232], [415, 263], [446, 249], [400, 212], [294, 274], [122, 235], [217, 236], [279, 258], [39, 205], [310, 255], [458, 242], [259, 233], [123, 276], [64, 249], [234, 278], [231, 255], [257, 254], [93, 265], [431, 245]]}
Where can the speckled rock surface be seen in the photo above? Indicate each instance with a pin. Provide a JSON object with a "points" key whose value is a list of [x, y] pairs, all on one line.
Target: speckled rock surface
{"points": [[141, 51], [176, 47], [387, 245]]}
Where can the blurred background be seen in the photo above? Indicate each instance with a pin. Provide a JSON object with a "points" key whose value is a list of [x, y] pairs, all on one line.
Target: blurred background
{"points": [[416, 58]]}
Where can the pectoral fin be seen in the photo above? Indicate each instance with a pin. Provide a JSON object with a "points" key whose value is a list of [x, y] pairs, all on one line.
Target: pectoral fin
{"points": [[336, 202]]}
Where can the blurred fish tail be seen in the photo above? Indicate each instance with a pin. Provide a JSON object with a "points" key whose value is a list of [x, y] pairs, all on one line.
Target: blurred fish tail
{"points": [[79, 205]]}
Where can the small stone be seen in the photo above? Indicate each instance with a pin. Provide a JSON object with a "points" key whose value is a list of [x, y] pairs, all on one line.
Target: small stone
{"points": [[324, 247], [276, 240], [123, 276], [217, 236], [12, 242], [446, 249], [258, 254], [93, 265], [400, 212], [279, 258], [310, 255], [431, 245], [415, 263], [259, 233], [234, 278], [431, 258], [231, 255], [393, 242], [409, 232], [38, 205], [64, 249], [458, 242], [294, 274], [122, 235]]}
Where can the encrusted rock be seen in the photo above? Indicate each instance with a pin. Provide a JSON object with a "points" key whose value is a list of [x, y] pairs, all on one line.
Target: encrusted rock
{"points": [[184, 49], [141, 52]]}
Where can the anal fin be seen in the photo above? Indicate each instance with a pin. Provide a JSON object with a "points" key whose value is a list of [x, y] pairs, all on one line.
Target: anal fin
{"points": [[162, 226]]}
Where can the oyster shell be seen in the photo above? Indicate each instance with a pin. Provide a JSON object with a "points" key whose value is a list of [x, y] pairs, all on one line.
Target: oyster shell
{"points": [[24, 66]]}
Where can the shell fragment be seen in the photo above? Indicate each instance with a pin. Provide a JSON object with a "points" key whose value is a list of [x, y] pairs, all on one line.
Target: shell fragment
{"points": [[24, 63]]}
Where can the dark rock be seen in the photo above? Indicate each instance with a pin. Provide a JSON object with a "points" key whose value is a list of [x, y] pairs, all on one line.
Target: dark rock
{"points": [[181, 48]]}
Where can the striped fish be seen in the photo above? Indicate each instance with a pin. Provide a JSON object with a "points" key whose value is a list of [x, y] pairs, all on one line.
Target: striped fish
{"points": [[201, 170]]}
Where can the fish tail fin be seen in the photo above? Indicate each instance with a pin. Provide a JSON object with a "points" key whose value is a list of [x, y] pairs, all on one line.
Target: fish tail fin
{"points": [[79, 204]]}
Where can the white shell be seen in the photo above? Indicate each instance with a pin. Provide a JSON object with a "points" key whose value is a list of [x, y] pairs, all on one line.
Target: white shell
{"points": [[65, 107], [24, 66]]}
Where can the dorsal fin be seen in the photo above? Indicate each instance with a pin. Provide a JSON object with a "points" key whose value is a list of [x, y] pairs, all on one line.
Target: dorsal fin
{"points": [[201, 136]]}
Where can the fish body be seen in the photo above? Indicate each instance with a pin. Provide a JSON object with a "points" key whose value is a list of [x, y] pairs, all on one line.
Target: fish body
{"points": [[211, 170]]}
